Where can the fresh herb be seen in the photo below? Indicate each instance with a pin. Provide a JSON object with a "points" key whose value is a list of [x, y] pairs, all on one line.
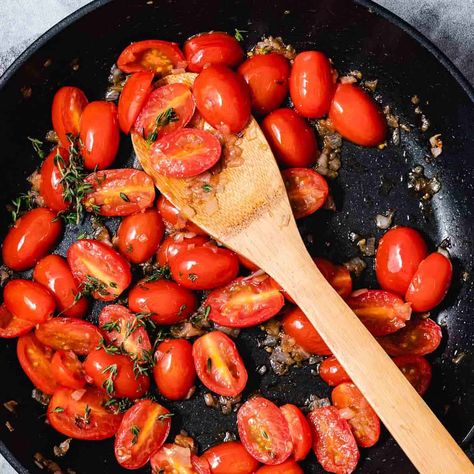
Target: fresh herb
{"points": [[139, 368], [207, 310], [37, 146], [238, 34], [129, 248], [108, 348], [118, 405], [164, 416], [207, 188], [81, 236], [23, 203], [58, 410], [110, 326], [158, 274], [209, 364], [124, 197], [181, 309], [265, 434], [143, 319], [113, 284], [192, 276], [81, 421], [135, 430], [108, 383], [130, 327], [93, 285], [163, 119]]}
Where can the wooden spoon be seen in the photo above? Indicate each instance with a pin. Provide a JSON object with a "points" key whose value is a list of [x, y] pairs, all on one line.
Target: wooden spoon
{"points": [[254, 219]]}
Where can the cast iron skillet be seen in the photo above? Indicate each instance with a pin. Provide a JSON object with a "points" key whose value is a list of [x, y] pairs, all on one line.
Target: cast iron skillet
{"points": [[356, 35]]}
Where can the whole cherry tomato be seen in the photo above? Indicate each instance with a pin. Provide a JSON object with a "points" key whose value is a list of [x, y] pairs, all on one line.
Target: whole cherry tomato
{"points": [[175, 244], [417, 370], [287, 467], [230, 458], [67, 369], [291, 139], [332, 372], [11, 326], [300, 431], [338, 276], [175, 459], [51, 188], [173, 219]]}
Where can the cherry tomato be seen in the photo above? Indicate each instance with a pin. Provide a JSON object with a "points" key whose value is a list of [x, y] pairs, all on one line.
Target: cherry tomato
{"points": [[214, 47], [82, 414], [143, 430], [29, 300], [123, 329], [267, 77], [244, 302], [115, 374], [174, 459], [175, 244], [399, 254], [337, 275], [219, 365], [333, 442], [381, 312], [417, 370], [230, 458], [99, 134], [222, 98], [287, 467], [174, 220], [312, 84], [32, 237], [300, 431], [167, 302], [68, 104], [204, 267], [36, 361], [64, 334], [67, 369], [97, 266], [298, 326], [119, 192], [157, 56], [354, 408], [430, 283], [132, 98], [291, 139], [307, 190], [264, 431], [418, 337], [356, 116], [51, 188], [174, 370], [332, 372], [11, 326], [54, 273]]}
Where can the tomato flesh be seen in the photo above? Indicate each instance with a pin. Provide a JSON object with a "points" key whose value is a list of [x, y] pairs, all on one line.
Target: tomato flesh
{"points": [[230, 457], [67, 369], [11, 326], [51, 188], [417, 370], [174, 459], [300, 431], [332, 372], [337, 275]]}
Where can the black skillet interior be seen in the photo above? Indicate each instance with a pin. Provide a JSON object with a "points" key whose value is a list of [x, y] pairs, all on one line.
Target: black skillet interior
{"points": [[355, 37]]}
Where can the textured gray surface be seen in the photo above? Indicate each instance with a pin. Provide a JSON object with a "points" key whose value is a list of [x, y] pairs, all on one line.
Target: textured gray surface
{"points": [[448, 23]]}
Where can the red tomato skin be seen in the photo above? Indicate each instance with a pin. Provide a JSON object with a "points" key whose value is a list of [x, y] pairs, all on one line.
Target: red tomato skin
{"points": [[51, 189], [175, 459], [132, 99], [312, 84], [417, 370], [29, 300], [337, 275], [267, 76], [175, 244], [230, 458], [31, 237], [67, 370], [174, 370], [214, 47], [54, 273], [68, 104], [99, 134], [430, 283], [300, 431], [398, 256], [174, 220], [291, 139], [222, 98], [245, 262], [332, 372], [287, 467], [11, 326]]}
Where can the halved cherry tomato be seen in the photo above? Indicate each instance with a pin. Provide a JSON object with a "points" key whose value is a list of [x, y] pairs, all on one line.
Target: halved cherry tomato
{"points": [[337, 275], [123, 329], [218, 364], [174, 220], [67, 369], [332, 372], [51, 188], [167, 109], [267, 77], [230, 458], [356, 116], [53, 272], [31, 237], [354, 408], [247, 263], [430, 283], [381, 312], [174, 370], [264, 431], [298, 326], [417, 370], [291, 139], [29, 300], [399, 254], [175, 459], [143, 430], [214, 47], [333, 442], [82, 414], [222, 98], [64, 334], [96, 265], [312, 84], [167, 302], [418, 337], [36, 361], [307, 190], [157, 56], [287, 467], [175, 244], [115, 374], [132, 98], [11, 326], [204, 267], [246, 301], [300, 431], [119, 192], [68, 104], [99, 134]]}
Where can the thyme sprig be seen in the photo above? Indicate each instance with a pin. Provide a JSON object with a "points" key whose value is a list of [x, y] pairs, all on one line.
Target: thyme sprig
{"points": [[108, 383], [24, 202], [38, 147], [238, 34], [159, 273], [163, 119]]}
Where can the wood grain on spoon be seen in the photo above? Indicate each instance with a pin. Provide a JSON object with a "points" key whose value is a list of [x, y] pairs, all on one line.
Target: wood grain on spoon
{"points": [[254, 219]]}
